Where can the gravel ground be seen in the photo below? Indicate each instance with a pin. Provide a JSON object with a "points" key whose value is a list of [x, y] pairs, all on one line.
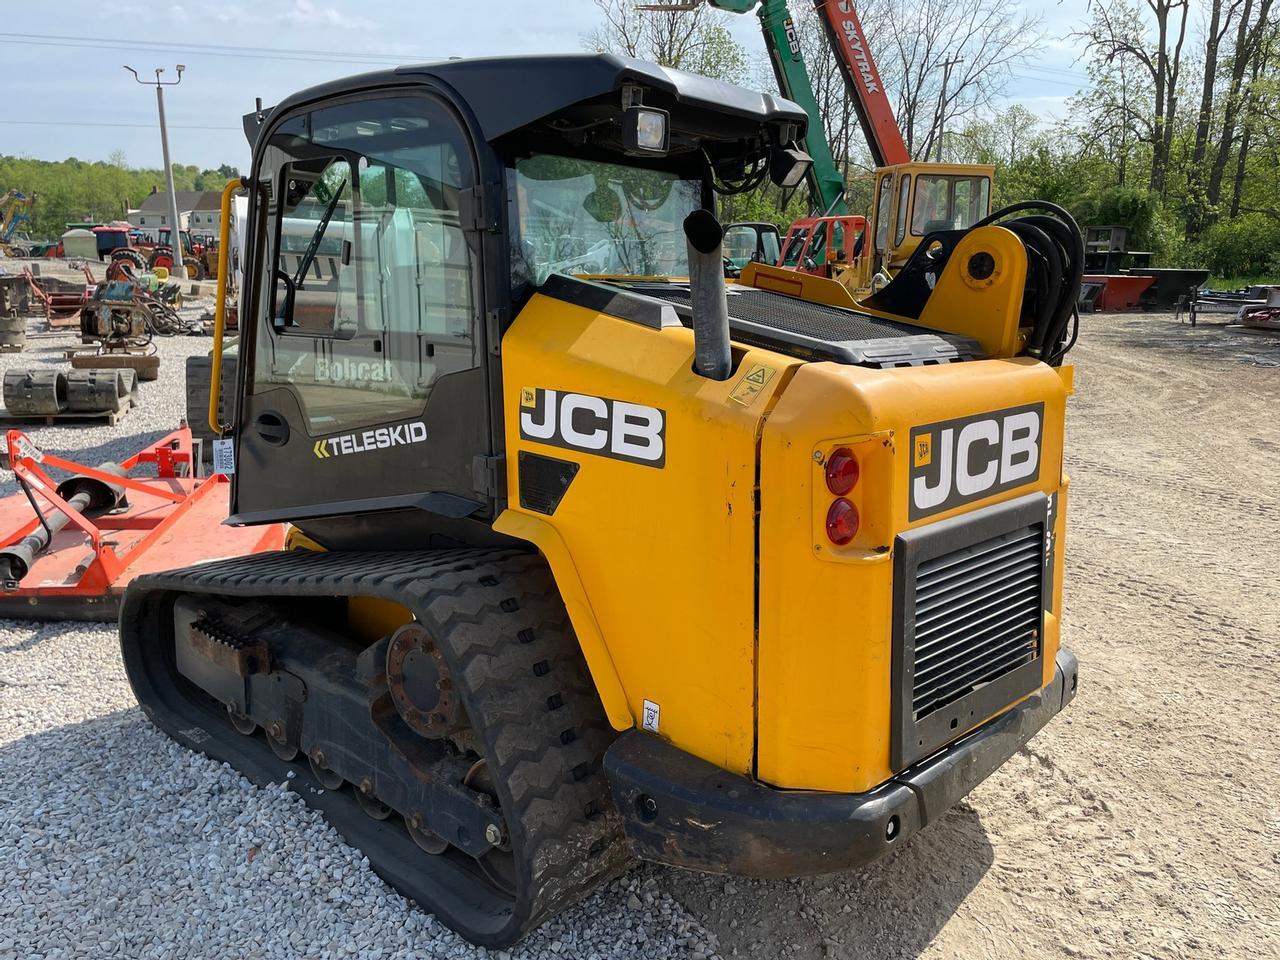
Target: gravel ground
{"points": [[1144, 823]]}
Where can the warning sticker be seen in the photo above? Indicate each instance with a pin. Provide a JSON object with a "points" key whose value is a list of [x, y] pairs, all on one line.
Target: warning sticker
{"points": [[752, 384], [652, 713]]}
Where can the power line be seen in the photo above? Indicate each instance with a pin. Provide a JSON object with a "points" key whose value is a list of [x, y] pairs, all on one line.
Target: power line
{"points": [[97, 123], [211, 49]]}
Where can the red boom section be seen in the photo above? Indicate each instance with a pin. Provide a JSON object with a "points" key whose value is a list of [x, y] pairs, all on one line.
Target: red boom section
{"points": [[870, 102]]}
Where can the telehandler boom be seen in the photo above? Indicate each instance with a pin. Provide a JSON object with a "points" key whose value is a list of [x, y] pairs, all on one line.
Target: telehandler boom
{"points": [[594, 556]]}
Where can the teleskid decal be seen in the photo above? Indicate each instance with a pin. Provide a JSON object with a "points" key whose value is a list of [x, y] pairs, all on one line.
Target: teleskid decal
{"points": [[610, 428], [365, 441], [954, 462]]}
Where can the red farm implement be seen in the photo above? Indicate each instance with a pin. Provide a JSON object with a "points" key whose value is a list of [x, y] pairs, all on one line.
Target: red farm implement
{"points": [[72, 545]]}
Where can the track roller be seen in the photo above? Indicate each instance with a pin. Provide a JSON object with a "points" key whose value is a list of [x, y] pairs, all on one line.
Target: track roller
{"points": [[327, 778], [476, 724], [370, 804], [244, 725]]}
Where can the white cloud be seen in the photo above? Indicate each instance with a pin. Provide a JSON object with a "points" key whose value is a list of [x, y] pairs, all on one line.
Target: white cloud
{"points": [[297, 13]]}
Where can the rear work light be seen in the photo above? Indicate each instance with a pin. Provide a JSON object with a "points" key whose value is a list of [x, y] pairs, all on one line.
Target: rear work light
{"points": [[842, 522], [842, 471]]}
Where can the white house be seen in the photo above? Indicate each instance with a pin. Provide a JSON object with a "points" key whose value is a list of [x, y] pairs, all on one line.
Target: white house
{"points": [[198, 212]]}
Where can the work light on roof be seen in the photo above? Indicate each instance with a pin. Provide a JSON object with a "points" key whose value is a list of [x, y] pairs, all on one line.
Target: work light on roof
{"points": [[645, 131]]}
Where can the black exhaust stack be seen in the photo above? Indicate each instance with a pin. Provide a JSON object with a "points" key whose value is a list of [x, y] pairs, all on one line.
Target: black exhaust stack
{"points": [[711, 355]]}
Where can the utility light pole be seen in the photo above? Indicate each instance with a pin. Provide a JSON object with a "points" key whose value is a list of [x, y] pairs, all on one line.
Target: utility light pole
{"points": [[175, 226], [942, 101]]}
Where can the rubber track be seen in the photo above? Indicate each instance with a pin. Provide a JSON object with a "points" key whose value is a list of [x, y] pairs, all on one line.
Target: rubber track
{"points": [[499, 621]]}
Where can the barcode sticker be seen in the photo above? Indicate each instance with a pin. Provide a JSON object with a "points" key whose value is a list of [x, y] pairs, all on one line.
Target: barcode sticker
{"points": [[224, 457]]}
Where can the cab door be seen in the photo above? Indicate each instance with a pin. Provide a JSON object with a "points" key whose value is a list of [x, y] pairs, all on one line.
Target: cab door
{"points": [[366, 387]]}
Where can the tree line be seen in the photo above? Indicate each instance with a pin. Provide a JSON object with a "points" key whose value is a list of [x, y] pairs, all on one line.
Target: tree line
{"points": [[75, 191], [1172, 129]]}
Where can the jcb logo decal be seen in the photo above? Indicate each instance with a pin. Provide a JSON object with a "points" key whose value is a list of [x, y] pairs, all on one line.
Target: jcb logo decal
{"points": [[610, 428], [957, 461]]}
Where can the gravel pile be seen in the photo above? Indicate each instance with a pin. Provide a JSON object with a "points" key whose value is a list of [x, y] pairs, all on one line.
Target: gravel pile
{"points": [[115, 842]]}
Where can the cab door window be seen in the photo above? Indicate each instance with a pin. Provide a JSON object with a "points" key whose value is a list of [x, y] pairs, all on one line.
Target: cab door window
{"points": [[372, 292]]}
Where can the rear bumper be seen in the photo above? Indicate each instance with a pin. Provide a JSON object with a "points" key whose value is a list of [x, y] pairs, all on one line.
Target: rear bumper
{"points": [[684, 811]]}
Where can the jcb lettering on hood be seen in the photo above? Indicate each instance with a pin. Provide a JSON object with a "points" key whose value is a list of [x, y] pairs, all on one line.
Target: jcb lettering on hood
{"points": [[956, 461], [610, 428]]}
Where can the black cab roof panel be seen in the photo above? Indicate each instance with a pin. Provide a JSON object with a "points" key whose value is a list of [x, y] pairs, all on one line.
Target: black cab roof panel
{"points": [[507, 93]]}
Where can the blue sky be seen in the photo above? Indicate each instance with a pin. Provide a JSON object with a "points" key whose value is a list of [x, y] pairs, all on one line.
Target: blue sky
{"points": [[66, 94]]}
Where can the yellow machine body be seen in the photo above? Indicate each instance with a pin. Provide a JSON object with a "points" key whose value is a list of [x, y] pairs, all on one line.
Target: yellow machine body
{"points": [[710, 606]]}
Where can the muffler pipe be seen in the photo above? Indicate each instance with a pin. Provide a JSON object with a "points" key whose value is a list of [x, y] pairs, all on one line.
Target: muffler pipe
{"points": [[82, 494], [712, 357]]}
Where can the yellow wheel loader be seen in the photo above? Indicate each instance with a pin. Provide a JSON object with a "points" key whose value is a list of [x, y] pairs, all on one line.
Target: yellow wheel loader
{"points": [[594, 556]]}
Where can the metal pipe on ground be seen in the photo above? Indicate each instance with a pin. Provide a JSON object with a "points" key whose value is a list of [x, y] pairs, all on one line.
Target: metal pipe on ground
{"points": [[82, 494], [712, 357]]}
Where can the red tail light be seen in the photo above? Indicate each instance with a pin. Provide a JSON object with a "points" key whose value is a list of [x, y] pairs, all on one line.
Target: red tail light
{"points": [[842, 522], [842, 472]]}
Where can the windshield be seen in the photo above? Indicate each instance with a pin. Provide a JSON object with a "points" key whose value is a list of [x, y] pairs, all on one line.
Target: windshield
{"points": [[587, 217], [949, 202]]}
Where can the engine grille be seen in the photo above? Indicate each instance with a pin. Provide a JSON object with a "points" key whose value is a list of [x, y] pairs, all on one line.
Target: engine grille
{"points": [[799, 316], [977, 616], [970, 595], [815, 331]]}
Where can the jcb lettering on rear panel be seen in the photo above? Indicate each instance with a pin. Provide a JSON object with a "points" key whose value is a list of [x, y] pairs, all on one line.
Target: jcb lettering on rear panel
{"points": [[957, 461], [611, 428]]}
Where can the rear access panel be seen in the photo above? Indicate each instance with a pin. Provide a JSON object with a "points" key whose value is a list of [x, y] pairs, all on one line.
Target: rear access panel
{"points": [[970, 595]]}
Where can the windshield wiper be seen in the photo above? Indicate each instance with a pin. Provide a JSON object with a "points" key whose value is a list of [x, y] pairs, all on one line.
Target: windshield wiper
{"points": [[314, 243]]}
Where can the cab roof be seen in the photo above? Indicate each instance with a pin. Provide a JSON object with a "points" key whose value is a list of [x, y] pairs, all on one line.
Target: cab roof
{"points": [[507, 93]]}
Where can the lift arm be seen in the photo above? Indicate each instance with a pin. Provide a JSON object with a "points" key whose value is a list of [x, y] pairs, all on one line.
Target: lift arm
{"points": [[793, 80], [871, 103], [861, 77]]}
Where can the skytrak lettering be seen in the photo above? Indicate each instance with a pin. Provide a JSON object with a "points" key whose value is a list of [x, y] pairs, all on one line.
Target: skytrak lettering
{"points": [[379, 438], [858, 48]]}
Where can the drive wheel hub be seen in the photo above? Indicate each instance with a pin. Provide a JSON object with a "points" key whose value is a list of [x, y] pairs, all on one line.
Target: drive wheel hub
{"points": [[420, 684]]}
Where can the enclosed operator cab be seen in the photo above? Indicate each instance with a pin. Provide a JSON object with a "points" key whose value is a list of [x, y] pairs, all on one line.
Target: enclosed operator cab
{"points": [[566, 599]]}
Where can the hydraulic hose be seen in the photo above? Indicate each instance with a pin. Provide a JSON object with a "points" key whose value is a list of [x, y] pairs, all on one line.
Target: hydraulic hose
{"points": [[1055, 266]]}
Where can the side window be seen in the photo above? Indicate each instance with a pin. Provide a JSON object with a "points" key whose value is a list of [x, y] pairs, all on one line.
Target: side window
{"points": [[882, 214], [837, 239], [769, 241], [795, 246], [370, 275], [904, 198], [315, 278], [818, 249], [740, 244]]}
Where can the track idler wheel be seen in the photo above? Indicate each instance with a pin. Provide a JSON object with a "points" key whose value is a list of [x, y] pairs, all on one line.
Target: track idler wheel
{"points": [[327, 778]]}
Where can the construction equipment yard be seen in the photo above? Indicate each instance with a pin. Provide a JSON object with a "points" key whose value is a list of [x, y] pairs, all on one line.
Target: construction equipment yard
{"points": [[1143, 823]]}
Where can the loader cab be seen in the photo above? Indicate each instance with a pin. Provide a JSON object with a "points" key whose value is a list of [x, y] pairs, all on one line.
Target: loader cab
{"points": [[910, 200], [398, 223]]}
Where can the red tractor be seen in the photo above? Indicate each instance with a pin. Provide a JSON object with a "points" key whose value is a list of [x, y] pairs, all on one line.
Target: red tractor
{"points": [[815, 244]]}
